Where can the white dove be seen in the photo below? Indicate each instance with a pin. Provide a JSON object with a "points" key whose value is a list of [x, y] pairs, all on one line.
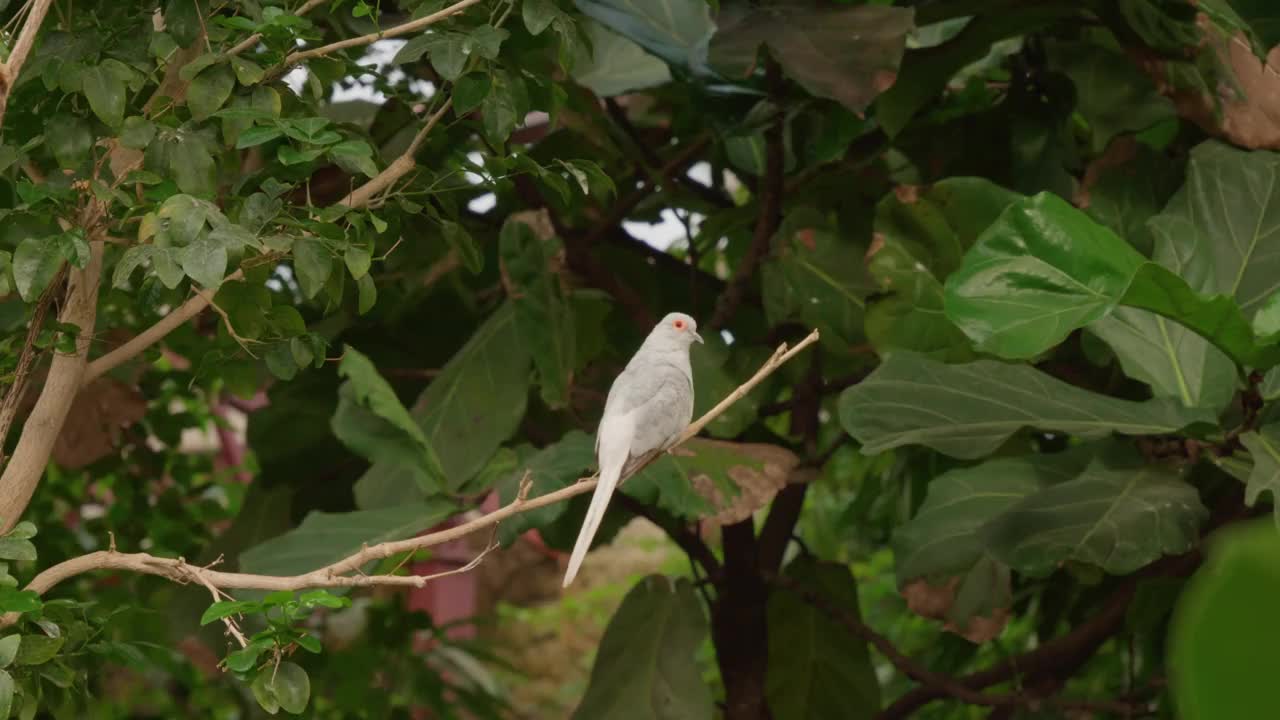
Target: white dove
{"points": [[649, 405]]}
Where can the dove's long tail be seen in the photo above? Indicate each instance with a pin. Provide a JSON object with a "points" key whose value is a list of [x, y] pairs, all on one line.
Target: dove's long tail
{"points": [[615, 447]]}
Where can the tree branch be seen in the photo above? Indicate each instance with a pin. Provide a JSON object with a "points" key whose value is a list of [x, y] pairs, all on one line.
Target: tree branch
{"points": [[9, 406], [346, 572], [21, 49], [197, 304], [403, 29], [254, 38], [947, 685], [41, 429], [770, 199], [688, 541]]}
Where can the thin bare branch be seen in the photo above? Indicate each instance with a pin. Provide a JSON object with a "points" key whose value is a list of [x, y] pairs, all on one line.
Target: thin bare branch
{"points": [[145, 339], [347, 572], [22, 46], [403, 29], [399, 167], [9, 406], [253, 39]]}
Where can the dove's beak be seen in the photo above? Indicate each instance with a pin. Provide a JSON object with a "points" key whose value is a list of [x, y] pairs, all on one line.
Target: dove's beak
{"points": [[698, 337]]}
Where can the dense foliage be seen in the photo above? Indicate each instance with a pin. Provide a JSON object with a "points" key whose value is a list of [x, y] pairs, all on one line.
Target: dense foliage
{"points": [[414, 242]]}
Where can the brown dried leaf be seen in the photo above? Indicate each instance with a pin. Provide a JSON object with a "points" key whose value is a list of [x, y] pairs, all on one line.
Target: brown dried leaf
{"points": [[937, 601], [1250, 110], [98, 414], [770, 470]]}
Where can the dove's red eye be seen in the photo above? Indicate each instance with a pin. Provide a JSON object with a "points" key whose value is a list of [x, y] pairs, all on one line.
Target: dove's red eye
{"points": [[679, 324]]}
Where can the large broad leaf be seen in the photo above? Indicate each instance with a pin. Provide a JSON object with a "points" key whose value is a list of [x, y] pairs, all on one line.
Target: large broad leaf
{"points": [[371, 421], [1112, 94], [712, 382], [1263, 17], [968, 411], [614, 65], [1264, 446], [325, 538], [677, 31], [1224, 639], [939, 553], [1045, 269], [1130, 189], [926, 71], [820, 278], [1225, 222], [466, 413], [847, 54], [1118, 516], [646, 667], [549, 469], [710, 477], [543, 317], [817, 668], [921, 236]]}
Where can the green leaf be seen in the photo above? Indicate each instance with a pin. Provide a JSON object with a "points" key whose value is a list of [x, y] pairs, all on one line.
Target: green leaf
{"points": [[325, 538], [543, 318], [323, 598], [486, 41], [227, 608], [280, 361], [819, 277], [538, 14], [1118, 516], [291, 687], [613, 65], [448, 54], [552, 468], [6, 272], [6, 693], [368, 294], [466, 413], [817, 668], [1112, 94], [1127, 195], [847, 54], [69, 138], [925, 72], [19, 601], [106, 94], [1263, 17], [921, 237], [138, 132], [463, 244], [967, 411], [358, 261], [205, 261], [35, 261], [38, 649], [1228, 604], [941, 545], [470, 91], [8, 652], [499, 110], [133, 258], [264, 693], [209, 91], [258, 135], [678, 31], [192, 166], [12, 548], [713, 380], [1264, 477], [646, 666], [371, 421], [313, 263], [247, 71]]}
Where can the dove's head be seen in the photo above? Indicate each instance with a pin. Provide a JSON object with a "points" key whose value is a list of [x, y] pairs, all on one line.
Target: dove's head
{"points": [[677, 329]]}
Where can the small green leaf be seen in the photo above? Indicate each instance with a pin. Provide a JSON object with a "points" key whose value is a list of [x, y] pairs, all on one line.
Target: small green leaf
{"points": [[38, 649], [6, 693], [73, 247], [323, 598], [138, 132], [106, 93], [247, 71], [35, 262], [470, 91], [487, 41], [209, 90], [20, 601], [258, 135], [280, 361], [368, 293], [8, 651], [289, 155], [302, 352], [198, 65], [134, 257], [16, 549], [358, 260], [244, 659], [264, 693], [227, 608], [538, 14], [313, 263], [449, 55], [24, 530], [70, 139], [204, 261], [309, 643]]}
